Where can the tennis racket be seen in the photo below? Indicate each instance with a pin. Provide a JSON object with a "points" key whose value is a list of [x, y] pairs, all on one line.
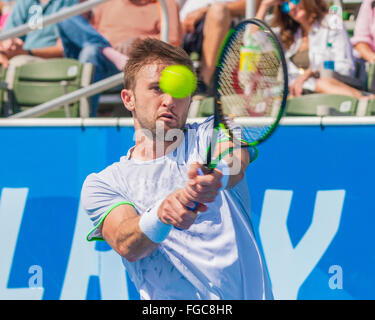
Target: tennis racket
{"points": [[250, 82]]}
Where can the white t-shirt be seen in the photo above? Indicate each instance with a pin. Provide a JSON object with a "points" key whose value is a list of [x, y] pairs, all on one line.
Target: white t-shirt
{"points": [[216, 258], [188, 6]]}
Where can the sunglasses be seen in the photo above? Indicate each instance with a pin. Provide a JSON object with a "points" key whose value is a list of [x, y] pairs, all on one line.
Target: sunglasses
{"points": [[285, 7]]}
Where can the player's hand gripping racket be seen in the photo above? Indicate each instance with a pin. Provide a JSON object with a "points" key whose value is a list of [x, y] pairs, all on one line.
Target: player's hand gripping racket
{"points": [[251, 82]]}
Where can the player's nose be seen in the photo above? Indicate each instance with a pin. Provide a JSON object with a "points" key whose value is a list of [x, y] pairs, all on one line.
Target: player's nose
{"points": [[168, 100]]}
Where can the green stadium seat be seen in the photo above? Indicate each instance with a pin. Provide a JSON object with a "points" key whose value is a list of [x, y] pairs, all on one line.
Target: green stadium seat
{"points": [[321, 104], [371, 108], [206, 107], [371, 78], [38, 82], [2, 79], [306, 105]]}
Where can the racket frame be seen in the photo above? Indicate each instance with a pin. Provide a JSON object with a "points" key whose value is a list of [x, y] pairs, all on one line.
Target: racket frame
{"points": [[219, 119]]}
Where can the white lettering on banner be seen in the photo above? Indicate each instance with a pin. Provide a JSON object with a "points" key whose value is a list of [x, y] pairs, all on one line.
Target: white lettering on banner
{"points": [[85, 261], [12, 205], [289, 267]]}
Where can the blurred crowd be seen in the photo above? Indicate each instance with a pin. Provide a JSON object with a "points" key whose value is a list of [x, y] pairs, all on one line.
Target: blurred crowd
{"points": [[309, 33]]}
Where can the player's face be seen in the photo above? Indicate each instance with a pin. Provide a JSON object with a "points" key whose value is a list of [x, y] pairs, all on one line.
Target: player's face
{"points": [[152, 107]]}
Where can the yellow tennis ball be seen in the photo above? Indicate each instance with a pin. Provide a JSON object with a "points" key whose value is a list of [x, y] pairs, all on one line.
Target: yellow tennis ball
{"points": [[178, 81]]}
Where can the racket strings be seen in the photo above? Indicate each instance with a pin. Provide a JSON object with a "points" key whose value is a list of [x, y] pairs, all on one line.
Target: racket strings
{"points": [[253, 91]]}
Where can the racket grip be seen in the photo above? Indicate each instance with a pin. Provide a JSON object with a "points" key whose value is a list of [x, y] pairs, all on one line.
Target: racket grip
{"points": [[200, 172]]}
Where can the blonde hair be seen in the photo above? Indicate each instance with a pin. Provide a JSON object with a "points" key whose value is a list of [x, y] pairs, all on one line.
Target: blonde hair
{"points": [[148, 51]]}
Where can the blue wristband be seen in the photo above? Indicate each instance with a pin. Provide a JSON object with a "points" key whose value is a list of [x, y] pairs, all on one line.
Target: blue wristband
{"points": [[152, 226]]}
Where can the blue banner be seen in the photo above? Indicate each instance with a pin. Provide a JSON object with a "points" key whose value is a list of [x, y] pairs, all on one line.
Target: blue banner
{"points": [[313, 208]]}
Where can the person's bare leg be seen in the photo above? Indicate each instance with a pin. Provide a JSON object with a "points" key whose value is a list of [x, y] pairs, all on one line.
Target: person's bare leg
{"points": [[117, 58], [216, 26], [333, 86]]}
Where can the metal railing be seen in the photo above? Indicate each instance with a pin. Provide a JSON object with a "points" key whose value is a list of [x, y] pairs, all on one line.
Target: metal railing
{"points": [[74, 96], [250, 9], [68, 12], [53, 18], [92, 89], [98, 86], [128, 122]]}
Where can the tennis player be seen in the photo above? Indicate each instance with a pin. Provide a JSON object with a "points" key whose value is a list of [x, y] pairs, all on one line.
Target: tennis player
{"points": [[140, 205]]}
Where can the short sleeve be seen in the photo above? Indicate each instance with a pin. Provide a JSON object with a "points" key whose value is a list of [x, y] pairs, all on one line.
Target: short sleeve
{"points": [[205, 131], [98, 199], [17, 17], [362, 30]]}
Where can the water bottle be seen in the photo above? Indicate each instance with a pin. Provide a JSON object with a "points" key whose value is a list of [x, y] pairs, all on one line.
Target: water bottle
{"points": [[249, 52], [249, 58], [328, 63], [335, 23]]}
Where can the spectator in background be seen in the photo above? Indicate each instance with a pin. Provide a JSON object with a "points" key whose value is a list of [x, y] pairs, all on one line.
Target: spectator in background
{"points": [[304, 30], [41, 42], [6, 8], [4, 13], [364, 31], [205, 24], [103, 40]]}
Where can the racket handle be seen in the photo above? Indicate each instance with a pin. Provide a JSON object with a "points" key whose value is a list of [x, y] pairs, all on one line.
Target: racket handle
{"points": [[200, 172]]}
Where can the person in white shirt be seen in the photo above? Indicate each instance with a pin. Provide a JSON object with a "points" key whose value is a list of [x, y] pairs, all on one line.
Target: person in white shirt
{"points": [[304, 29], [139, 205], [205, 24]]}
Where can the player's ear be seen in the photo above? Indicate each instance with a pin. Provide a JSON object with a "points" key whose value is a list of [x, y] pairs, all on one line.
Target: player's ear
{"points": [[128, 99]]}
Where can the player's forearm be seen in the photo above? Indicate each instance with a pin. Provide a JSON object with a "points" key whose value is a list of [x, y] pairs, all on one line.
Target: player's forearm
{"points": [[131, 242]]}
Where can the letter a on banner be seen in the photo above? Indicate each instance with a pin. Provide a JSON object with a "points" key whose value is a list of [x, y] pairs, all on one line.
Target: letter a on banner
{"points": [[12, 205], [289, 267], [85, 261]]}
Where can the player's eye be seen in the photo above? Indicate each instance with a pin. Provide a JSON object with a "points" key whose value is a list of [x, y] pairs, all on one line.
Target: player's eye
{"points": [[155, 88]]}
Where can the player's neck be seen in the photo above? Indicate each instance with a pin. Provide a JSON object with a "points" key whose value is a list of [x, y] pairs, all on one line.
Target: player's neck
{"points": [[150, 148]]}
